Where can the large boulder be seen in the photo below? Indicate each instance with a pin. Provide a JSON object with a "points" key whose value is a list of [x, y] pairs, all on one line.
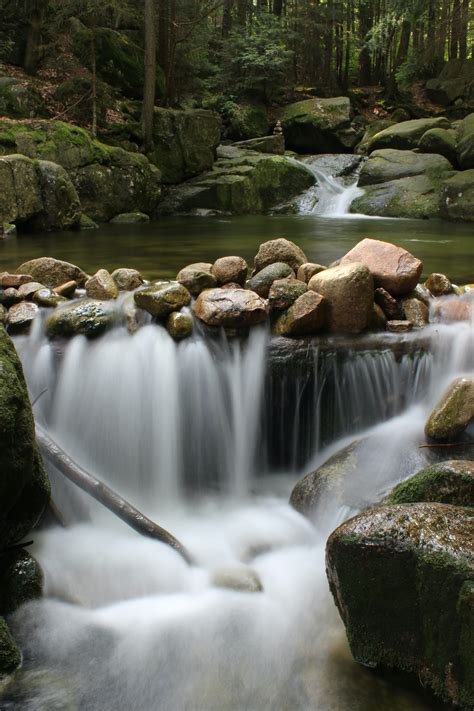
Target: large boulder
{"points": [[450, 482], [455, 81], [241, 182], [453, 413], [414, 197], [185, 142], [52, 272], [390, 164], [24, 487], [267, 144], [230, 308], [349, 292], [405, 135], [319, 126], [442, 141], [279, 250], [61, 205], [457, 196], [403, 580], [392, 267], [465, 146], [230, 270]]}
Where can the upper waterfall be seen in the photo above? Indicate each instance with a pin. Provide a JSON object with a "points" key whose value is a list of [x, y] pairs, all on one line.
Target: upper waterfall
{"points": [[336, 185]]}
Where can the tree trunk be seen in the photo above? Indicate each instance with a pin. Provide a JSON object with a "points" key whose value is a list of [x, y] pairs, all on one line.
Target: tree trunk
{"points": [[365, 21], [105, 495], [463, 29], [94, 84], [403, 44], [164, 39], [455, 27], [33, 36], [277, 7], [150, 75], [242, 12], [227, 18]]}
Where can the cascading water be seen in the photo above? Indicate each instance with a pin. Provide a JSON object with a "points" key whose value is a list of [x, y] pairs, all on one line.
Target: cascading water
{"points": [[336, 185], [125, 623]]}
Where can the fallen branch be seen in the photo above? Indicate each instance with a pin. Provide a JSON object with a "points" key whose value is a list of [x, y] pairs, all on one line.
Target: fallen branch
{"points": [[446, 444], [105, 495]]}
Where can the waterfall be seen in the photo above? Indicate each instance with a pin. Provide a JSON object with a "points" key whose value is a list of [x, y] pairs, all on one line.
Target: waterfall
{"points": [[336, 185], [124, 622]]}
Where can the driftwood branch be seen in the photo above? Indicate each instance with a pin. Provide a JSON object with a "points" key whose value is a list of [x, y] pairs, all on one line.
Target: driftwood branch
{"points": [[105, 495], [446, 444]]}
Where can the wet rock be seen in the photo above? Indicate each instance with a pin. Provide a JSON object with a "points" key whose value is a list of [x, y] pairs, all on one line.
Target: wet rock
{"points": [[127, 279], [101, 286], [3, 314], [421, 293], [284, 292], [52, 272], [26, 291], [47, 298], [266, 144], [21, 580], [378, 321], [10, 656], [308, 270], [439, 284], [453, 412], [457, 196], [452, 309], [415, 197], [61, 205], [10, 296], [387, 303], [440, 140], [87, 223], [85, 316], [230, 270], [130, 218], [392, 267], [239, 578], [179, 325], [197, 277], [319, 126], [416, 311], [349, 291], [163, 298], [21, 316], [232, 285], [24, 487], [14, 280], [230, 308], [279, 250], [450, 482], [399, 326], [306, 316], [411, 609], [134, 317], [388, 164], [262, 281], [67, 289]]}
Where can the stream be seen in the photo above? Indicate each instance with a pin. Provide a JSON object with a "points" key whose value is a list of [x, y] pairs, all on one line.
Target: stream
{"points": [[208, 437]]}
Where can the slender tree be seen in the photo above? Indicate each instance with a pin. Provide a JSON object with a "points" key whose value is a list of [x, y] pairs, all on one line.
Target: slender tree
{"points": [[150, 75]]}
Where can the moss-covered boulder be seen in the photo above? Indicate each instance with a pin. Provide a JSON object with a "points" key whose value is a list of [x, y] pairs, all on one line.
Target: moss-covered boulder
{"points": [[319, 126], [457, 196], [85, 316], [465, 147], [402, 578], [267, 144], [21, 580], [454, 411], [442, 141], [161, 299], [414, 197], [20, 99], [10, 655], [455, 81], [185, 142], [371, 129], [405, 135], [241, 182], [263, 280], [108, 180], [390, 164], [243, 121], [450, 482], [24, 487], [52, 272]]}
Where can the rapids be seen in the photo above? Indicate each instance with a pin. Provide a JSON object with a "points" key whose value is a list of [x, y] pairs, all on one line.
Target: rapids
{"points": [[208, 437]]}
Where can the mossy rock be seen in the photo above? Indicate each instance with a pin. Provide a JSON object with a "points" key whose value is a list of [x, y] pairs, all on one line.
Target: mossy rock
{"points": [[450, 482], [319, 126], [10, 656], [24, 486], [402, 577], [457, 196], [21, 580], [465, 146], [370, 130], [20, 100], [406, 134], [130, 218], [412, 197], [442, 141], [244, 121], [86, 316], [389, 164]]}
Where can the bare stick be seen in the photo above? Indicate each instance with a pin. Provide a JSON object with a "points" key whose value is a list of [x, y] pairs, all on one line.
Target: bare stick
{"points": [[105, 495], [446, 444]]}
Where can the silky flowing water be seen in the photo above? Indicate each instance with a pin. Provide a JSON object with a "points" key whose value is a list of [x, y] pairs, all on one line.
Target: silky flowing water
{"points": [[208, 437]]}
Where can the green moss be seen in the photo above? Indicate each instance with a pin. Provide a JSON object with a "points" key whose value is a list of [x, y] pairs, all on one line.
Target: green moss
{"points": [[10, 657], [441, 482]]}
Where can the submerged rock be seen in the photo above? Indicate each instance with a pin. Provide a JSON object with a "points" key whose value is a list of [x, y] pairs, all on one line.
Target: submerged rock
{"points": [[392, 267], [453, 412], [349, 291], [162, 299], [21, 580], [263, 280], [230, 308], [52, 272], [238, 578], [305, 317], [450, 482], [452, 309], [85, 316], [411, 608]]}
